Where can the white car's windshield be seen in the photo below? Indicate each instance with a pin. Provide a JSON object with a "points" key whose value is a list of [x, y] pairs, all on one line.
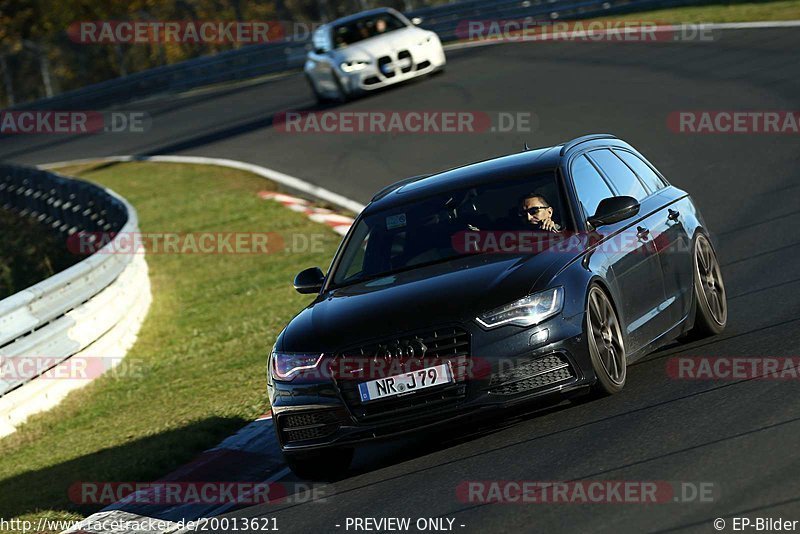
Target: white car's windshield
{"points": [[365, 27]]}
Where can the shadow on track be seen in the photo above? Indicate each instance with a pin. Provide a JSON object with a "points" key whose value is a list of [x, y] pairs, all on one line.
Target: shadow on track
{"points": [[142, 460]]}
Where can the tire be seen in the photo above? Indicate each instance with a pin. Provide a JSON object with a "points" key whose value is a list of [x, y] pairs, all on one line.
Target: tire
{"points": [[344, 96], [606, 343], [710, 298], [325, 465], [317, 95]]}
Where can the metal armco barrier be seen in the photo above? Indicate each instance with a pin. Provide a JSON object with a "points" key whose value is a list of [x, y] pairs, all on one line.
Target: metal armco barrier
{"points": [[92, 309], [262, 59]]}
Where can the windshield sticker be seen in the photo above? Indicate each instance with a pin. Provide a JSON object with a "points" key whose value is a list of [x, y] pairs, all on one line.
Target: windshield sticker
{"points": [[395, 221]]}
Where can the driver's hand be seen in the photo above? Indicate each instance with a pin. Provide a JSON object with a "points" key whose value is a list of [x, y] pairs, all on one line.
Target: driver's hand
{"points": [[548, 225]]}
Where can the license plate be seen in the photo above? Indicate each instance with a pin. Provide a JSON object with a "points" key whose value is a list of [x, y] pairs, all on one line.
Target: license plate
{"points": [[392, 386], [403, 63]]}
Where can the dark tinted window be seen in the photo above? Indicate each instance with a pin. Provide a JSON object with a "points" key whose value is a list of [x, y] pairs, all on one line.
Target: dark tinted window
{"points": [[648, 176], [364, 28], [589, 185], [621, 176]]}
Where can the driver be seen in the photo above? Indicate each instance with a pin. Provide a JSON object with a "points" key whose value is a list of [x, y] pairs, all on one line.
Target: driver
{"points": [[537, 211]]}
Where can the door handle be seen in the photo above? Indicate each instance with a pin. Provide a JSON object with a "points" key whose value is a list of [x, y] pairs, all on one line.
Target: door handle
{"points": [[642, 232], [673, 215]]}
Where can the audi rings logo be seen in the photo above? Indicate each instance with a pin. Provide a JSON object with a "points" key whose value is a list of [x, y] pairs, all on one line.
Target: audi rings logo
{"points": [[407, 348]]}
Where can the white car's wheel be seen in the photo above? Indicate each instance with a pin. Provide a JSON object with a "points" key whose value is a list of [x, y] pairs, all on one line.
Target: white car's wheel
{"points": [[343, 95], [321, 99]]}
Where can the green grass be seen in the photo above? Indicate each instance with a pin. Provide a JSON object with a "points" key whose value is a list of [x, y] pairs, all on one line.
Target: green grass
{"points": [[200, 357], [722, 12]]}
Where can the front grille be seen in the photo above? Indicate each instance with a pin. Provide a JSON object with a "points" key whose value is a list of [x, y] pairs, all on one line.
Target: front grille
{"points": [[446, 344], [531, 375], [310, 425], [383, 60], [405, 54], [309, 419], [307, 433]]}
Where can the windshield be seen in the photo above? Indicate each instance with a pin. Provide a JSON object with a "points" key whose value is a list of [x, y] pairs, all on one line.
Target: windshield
{"points": [[364, 28], [428, 230]]}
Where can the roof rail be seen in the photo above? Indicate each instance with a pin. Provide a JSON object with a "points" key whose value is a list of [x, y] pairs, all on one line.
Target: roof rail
{"points": [[389, 188], [583, 139]]}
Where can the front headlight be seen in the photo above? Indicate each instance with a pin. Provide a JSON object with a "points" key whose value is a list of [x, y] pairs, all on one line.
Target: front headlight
{"points": [[286, 365], [526, 311], [353, 66]]}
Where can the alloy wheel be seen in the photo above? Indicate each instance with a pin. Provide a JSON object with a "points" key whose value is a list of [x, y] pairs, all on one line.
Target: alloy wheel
{"points": [[712, 289], [605, 336]]}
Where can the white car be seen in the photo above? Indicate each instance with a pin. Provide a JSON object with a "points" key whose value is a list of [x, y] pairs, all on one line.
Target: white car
{"points": [[367, 51]]}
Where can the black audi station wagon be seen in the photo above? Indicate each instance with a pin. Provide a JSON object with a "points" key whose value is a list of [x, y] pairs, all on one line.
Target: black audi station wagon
{"points": [[526, 277]]}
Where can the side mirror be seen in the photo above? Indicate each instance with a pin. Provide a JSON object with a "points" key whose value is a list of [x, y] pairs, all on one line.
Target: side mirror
{"points": [[416, 21], [309, 281], [614, 209]]}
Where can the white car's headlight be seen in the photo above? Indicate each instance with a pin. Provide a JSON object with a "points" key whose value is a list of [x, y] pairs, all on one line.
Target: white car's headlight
{"points": [[355, 65], [286, 365], [526, 311]]}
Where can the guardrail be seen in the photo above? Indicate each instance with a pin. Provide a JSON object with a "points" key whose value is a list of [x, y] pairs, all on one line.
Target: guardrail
{"points": [[263, 59], [92, 309]]}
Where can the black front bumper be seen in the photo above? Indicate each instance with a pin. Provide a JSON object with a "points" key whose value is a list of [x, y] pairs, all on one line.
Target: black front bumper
{"points": [[515, 366]]}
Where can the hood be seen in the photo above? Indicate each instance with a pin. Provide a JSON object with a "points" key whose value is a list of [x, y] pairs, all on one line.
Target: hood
{"points": [[383, 45], [453, 291]]}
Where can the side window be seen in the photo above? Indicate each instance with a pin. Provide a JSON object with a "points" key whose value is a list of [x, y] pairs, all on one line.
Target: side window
{"points": [[589, 185], [648, 176], [321, 40], [620, 175]]}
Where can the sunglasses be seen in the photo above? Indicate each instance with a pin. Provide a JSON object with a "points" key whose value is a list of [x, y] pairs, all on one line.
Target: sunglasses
{"points": [[533, 210]]}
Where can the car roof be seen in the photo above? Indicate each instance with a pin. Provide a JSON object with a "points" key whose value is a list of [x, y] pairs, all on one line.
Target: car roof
{"points": [[506, 167]]}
